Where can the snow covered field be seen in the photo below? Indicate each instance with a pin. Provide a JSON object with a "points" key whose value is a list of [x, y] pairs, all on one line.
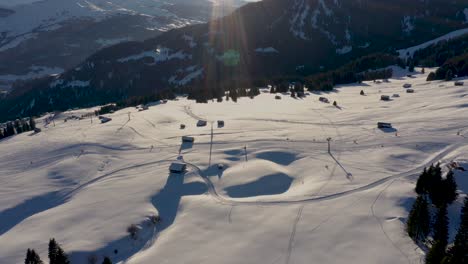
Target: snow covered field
{"points": [[280, 198]]}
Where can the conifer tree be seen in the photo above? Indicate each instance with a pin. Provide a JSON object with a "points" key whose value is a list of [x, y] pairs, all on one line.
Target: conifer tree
{"points": [[32, 123], [441, 226], [411, 65], [28, 257], [458, 254], [233, 94], [53, 251], [272, 89], [431, 77], [18, 127], [106, 261], [449, 75], [421, 184], [434, 185], [418, 224], [10, 129], [436, 254], [450, 188], [62, 257], [32, 257]]}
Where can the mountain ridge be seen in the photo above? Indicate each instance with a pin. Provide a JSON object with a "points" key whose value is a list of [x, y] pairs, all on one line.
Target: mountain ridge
{"points": [[257, 41]]}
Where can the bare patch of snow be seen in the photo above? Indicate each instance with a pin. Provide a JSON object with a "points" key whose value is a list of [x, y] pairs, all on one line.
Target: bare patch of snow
{"points": [[344, 50], [189, 40], [407, 24], [34, 72], [266, 50], [77, 83], [158, 55], [192, 73], [110, 42]]}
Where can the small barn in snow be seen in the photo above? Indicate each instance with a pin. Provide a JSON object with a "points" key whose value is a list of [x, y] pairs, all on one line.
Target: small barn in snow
{"points": [[187, 139], [385, 98], [384, 125], [178, 167]]}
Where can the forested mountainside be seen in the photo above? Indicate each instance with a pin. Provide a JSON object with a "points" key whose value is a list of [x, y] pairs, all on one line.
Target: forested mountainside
{"points": [[258, 41]]}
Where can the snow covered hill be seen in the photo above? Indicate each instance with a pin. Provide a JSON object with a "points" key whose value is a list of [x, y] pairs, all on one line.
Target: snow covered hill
{"points": [[279, 198], [62, 33]]}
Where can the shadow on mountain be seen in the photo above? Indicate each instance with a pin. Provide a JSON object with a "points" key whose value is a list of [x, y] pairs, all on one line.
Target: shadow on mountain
{"points": [[15, 215]]}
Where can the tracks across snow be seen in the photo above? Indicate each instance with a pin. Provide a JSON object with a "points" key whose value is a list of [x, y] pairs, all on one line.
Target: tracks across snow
{"points": [[293, 234], [223, 200], [381, 225], [188, 111]]}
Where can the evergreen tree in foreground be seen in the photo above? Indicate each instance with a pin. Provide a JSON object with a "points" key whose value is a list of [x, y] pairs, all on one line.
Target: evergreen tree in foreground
{"points": [[418, 225], [450, 187], [431, 77], [422, 183], [458, 254], [449, 75], [107, 261], [437, 252], [411, 65], [32, 123], [53, 251], [62, 257], [32, 257], [56, 253]]}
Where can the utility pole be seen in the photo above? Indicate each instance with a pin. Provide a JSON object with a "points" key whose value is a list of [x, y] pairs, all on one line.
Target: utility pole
{"points": [[329, 149], [245, 149], [211, 144]]}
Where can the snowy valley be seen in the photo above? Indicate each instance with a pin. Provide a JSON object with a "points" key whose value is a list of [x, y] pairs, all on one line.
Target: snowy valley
{"points": [[260, 188]]}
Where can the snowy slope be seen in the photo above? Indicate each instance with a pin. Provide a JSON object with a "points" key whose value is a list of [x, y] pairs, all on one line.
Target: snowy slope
{"points": [[281, 198], [409, 52]]}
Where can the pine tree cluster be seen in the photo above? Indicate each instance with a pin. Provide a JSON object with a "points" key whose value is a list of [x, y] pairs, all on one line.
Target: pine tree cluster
{"points": [[441, 192], [17, 127], [55, 253]]}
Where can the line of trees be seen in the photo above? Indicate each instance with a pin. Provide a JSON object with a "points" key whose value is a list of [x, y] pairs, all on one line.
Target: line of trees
{"points": [[55, 253], [456, 66], [438, 193], [17, 127]]}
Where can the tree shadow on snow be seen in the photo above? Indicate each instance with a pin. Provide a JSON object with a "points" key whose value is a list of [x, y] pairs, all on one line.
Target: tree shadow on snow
{"points": [[167, 202], [9, 218]]}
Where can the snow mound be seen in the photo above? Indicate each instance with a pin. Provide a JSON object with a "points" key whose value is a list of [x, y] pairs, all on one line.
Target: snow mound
{"points": [[266, 185]]}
